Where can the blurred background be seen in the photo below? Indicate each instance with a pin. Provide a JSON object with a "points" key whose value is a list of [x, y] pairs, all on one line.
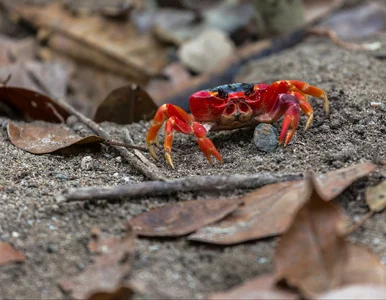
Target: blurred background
{"points": [[81, 51]]}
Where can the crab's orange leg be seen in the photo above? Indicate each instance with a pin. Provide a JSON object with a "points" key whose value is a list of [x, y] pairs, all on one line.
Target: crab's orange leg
{"points": [[305, 107], [205, 144], [312, 91], [291, 118], [162, 114], [178, 119]]}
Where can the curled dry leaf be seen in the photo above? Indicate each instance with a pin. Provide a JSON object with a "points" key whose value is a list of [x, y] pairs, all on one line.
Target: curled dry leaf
{"points": [[333, 183], [314, 257], [267, 211], [259, 288], [41, 138], [182, 218], [126, 105], [104, 275], [376, 196], [8, 254], [359, 291], [33, 105]]}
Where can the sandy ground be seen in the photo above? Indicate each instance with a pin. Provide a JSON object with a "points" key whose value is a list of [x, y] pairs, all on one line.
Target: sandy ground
{"points": [[54, 237]]}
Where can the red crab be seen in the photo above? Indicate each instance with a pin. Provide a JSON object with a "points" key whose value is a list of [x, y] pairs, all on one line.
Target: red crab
{"points": [[233, 106]]}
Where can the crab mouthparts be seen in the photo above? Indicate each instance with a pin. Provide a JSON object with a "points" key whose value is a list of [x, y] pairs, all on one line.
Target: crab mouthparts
{"points": [[236, 112]]}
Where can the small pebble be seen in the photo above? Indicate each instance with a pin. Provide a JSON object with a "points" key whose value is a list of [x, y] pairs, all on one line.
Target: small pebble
{"points": [[86, 163], [376, 241], [15, 234], [52, 248], [60, 176], [262, 260], [118, 159], [265, 137]]}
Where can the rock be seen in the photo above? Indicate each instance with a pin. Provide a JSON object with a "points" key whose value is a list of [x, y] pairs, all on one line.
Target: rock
{"points": [[265, 137], [86, 163], [207, 50]]}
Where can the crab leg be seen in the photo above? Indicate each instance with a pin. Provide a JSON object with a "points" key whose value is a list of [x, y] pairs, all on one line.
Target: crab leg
{"points": [[305, 107], [205, 144], [177, 119], [162, 114], [312, 91], [291, 118]]}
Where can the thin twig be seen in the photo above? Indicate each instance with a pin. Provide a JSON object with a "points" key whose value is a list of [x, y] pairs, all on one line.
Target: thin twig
{"points": [[362, 220], [337, 41], [189, 184], [146, 167], [112, 143]]}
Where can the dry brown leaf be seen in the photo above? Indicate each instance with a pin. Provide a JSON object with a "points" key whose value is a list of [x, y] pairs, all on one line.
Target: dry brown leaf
{"points": [[106, 273], [333, 183], [126, 105], [314, 257], [267, 211], [97, 39], [359, 291], [33, 105], [376, 196], [262, 287], [272, 207], [41, 138], [122, 293], [8, 254], [182, 218]]}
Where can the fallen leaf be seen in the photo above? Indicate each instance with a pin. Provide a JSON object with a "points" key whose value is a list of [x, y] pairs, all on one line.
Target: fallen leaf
{"points": [[376, 196], [104, 275], [314, 257], [116, 46], [262, 287], [8, 254], [359, 291], [268, 211], [126, 105], [41, 138], [122, 293], [33, 105], [333, 183], [182, 218]]}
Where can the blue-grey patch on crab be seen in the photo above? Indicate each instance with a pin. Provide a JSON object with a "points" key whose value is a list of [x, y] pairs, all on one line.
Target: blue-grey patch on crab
{"points": [[225, 89]]}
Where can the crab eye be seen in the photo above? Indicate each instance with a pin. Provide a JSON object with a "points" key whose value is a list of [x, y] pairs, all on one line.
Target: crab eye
{"points": [[222, 94], [248, 89]]}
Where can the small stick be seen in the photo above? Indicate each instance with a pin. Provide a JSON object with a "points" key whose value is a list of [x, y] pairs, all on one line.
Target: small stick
{"points": [[144, 166], [337, 41], [189, 184], [356, 225], [112, 143]]}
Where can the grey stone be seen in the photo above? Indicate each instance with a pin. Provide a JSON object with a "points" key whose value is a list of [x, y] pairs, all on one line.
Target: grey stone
{"points": [[265, 137]]}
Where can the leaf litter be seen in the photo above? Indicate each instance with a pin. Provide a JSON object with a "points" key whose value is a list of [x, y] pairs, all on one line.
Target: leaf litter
{"points": [[182, 218], [269, 210], [103, 278], [314, 257], [43, 138], [8, 254], [376, 197]]}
